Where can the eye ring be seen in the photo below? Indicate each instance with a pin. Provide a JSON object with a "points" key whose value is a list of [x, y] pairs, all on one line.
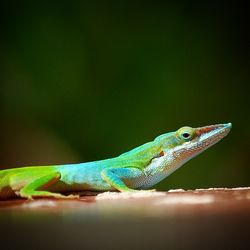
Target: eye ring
{"points": [[185, 135]]}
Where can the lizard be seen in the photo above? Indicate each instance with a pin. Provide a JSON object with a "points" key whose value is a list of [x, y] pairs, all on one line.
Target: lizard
{"points": [[139, 168]]}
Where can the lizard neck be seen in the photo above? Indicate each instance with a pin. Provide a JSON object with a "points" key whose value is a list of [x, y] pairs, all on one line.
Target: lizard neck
{"points": [[142, 155], [159, 169]]}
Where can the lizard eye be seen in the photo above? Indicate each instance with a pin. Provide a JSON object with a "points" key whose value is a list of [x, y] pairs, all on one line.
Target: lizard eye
{"points": [[185, 135]]}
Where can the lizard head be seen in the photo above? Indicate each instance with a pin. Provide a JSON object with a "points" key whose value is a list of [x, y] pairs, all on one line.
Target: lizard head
{"points": [[184, 144], [190, 142]]}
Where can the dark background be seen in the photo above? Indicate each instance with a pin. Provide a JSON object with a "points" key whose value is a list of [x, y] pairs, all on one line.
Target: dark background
{"points": [[82, 82]]}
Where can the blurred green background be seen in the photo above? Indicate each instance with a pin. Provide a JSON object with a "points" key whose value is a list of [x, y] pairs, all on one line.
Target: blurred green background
{"points": [[86, 81]]}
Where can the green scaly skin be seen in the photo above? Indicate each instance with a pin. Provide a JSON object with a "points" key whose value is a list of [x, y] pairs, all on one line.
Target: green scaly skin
{"points": [[140, 168]]}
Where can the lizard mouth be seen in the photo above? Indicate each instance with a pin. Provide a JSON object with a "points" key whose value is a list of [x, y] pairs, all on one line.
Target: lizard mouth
{"points": [[209, 135]]}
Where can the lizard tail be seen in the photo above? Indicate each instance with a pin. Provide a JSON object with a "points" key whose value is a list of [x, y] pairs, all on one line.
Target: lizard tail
{"points": [[5, 190], [3, 178]]}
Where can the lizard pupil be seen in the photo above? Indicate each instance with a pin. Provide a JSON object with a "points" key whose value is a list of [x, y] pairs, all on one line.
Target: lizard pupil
{"points": [[185, 135]]}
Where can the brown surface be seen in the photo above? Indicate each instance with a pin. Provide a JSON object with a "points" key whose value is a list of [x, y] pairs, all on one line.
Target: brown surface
{"points": [[199, 219]]}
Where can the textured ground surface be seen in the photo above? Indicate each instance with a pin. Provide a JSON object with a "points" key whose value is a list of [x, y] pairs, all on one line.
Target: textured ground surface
{"points": [[196, 219]]}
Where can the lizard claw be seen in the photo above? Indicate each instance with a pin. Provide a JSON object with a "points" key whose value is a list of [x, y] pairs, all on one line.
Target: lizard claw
{"points": [[72, 196], [150, 190]]}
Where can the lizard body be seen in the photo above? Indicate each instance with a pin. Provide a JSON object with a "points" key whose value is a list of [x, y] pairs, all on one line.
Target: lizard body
{"points": [[139, 168]]}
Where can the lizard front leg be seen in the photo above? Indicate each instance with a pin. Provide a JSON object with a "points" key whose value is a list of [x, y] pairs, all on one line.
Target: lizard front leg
{"points": [[114, 177]]}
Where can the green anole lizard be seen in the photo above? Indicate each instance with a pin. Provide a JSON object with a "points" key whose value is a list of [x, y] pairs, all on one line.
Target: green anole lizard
{"points": [[139, 168]]}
